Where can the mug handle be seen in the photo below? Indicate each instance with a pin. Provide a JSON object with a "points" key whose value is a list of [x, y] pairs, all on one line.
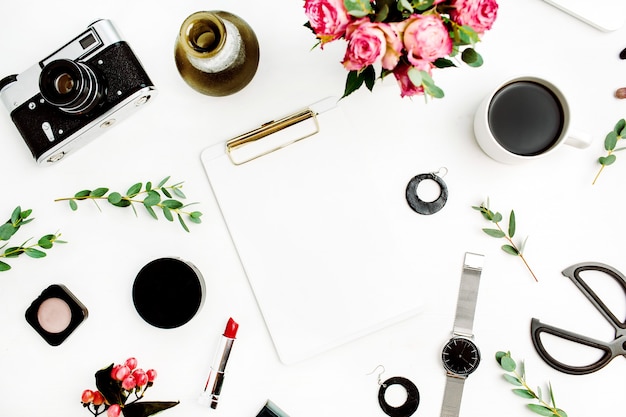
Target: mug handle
{"points": [[578, 139]]}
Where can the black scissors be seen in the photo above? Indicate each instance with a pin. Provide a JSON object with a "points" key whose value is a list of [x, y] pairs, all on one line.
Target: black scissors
{"points": [[609, 350]]}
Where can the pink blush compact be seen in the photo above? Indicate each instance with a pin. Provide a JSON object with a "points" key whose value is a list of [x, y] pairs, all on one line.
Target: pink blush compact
{"points": [[55, 314]]}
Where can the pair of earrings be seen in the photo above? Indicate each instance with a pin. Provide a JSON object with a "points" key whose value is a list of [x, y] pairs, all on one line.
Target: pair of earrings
{"points": [[412, 395]]}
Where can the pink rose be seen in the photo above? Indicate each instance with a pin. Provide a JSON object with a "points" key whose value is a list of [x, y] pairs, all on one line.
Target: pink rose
{"points": [[407, 88], [328, 18], [366, 44], [426, 38], [479, 14]]}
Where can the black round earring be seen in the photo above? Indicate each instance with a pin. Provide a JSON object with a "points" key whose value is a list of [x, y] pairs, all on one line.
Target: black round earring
{"points": [[412, 397], [427, 207]]}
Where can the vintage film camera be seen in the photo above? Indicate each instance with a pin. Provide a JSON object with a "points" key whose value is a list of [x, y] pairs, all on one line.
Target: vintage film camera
{"points": [[75, 94]]}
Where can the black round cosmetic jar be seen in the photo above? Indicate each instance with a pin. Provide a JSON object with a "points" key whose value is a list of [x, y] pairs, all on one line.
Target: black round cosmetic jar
{"points": [[168, 292]]}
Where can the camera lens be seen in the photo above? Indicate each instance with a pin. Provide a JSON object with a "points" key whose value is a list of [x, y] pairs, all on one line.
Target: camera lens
{"points": [[71, 86]]}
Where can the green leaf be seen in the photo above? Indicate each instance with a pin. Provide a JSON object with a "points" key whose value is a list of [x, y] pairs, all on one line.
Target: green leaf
{"points": [[443, 63], [81, 195], [114, 198], [16, 214], [415, 76], [499, 355], [166, 192], [153, 198], [358, 8], [24, 214], [471, 57], [607, 160], [163, 181], [6, 231], [494, 233], [540, 409], [424, 4], [508, 363], [34, 253], [148, 186], [619, 127], [46, 241], [510, 250], [194, 217], [73, 205], [134, 189], [182, 222], [4, 266], [561, 412], [497, 218], [512, 379], [122, 203], [172, 204], [150, 211], [512, 224], [13, 252], [610, 141], [98, 192], [167, 213], [524, 393], [429, 86], [354, 81]]}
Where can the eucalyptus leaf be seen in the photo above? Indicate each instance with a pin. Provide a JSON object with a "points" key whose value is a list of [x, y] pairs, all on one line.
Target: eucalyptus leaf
{"points": [[494, 233], [540, 409], [34, 253], [153, 198], [6, 231], [16, 215], [510, 250], [610, 141], [98, 192], [512, 224], [45, 242], [182, 222], [358, 8], [619, 126], [471, 57], [73, 205], [607, 160], [496, 218], [163, 181], [172, 204], [512, 379], [134, 189], [508, 363], [4, 266], [13, 252], [150, 211], [167, 213], [114, 198], [524, 393], [81, 195]]}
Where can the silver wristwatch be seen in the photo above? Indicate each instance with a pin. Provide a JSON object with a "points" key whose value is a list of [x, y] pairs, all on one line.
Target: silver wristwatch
{"points": [[460, 355]]}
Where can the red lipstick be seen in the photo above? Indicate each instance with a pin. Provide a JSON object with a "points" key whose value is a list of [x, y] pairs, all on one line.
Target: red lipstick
{"points": [[213, 387]]}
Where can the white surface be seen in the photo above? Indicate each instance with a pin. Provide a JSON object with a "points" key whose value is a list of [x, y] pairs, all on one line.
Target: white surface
{"points": [[606, 15], [568, 220]]}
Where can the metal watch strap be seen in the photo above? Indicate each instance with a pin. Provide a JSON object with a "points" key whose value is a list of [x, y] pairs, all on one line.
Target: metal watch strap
{"points": [[468, 293], [463, 325], [452, 396]]}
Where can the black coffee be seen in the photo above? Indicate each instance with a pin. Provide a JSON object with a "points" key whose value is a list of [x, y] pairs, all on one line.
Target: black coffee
{"points": [[526, 118]]}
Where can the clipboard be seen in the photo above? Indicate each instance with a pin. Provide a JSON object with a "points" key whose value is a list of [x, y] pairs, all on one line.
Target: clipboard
{"points": [[318, 243]]}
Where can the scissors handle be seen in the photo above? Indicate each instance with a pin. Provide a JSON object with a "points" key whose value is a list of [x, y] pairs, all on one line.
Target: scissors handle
{"points": [[610, 350]]}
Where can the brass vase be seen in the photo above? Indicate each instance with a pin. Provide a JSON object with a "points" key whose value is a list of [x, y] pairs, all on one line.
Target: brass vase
{"points": [[217, 52]]}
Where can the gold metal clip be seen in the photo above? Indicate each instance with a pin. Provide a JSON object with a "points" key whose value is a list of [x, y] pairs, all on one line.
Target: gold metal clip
{"points": [[251, 138]]}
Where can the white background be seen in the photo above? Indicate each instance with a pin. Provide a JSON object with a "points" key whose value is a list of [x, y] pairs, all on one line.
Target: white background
{"points": [[568, 220]]}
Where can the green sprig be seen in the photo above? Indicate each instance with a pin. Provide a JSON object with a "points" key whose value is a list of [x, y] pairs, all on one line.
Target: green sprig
{"points": [[161, 197], [511, 248], [610, 144], [8, 229], [516, 375]]}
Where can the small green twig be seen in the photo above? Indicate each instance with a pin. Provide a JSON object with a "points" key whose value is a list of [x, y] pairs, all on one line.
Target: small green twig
{"points": [[610, 142], [8, 229], [510, 248], [517, 376], [160, 197]]}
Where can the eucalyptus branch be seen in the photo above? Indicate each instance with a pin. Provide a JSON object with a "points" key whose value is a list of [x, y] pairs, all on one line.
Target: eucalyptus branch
{"points": [[8, 229], [149, 197], [517, 376], [510, 248], [610, 142]]}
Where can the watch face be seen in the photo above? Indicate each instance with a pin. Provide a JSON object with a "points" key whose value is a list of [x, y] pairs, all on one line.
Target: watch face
{"points": [[460, 356]]}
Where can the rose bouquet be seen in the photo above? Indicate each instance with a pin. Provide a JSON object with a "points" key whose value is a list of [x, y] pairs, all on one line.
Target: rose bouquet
{"points": [[407, 38], [117, 384]]}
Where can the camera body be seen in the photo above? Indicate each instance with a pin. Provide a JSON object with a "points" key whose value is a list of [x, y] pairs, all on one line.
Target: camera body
{"points": [[76, 93]]}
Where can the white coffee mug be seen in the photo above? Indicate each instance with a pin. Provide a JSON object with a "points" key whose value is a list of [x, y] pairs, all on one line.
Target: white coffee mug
{"points": [[525, 118]]}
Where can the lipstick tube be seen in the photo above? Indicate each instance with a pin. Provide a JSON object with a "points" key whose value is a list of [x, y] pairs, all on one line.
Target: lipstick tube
{"points": [[213, 387]]}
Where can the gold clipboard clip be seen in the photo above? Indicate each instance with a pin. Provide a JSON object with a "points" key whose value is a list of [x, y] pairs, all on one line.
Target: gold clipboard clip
{"points": [[304, 123]]}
